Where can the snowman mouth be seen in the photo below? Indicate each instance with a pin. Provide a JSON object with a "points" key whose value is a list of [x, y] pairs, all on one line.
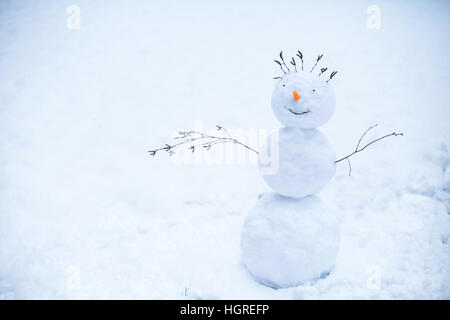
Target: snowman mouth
{"points": [[298, 113]]}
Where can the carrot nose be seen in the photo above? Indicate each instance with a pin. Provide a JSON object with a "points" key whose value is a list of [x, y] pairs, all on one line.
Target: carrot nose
{"points": [[296, 95]]}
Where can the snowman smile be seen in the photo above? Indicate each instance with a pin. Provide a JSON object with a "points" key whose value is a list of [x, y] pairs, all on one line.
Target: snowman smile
{"points": [[297, 113]]}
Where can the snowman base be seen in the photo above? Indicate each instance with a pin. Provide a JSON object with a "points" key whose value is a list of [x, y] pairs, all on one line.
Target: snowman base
{"points": [[286, 242]]}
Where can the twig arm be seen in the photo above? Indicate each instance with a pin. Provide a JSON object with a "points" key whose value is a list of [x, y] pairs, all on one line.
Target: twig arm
{"points": [[365, 132], [206, 141], [358, 149]]}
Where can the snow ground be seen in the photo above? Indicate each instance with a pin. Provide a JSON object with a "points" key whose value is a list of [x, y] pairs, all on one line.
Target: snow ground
{"points": [[86, 213]]}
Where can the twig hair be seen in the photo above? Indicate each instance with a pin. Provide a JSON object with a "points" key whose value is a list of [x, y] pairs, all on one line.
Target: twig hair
{"points": [[317, 61], [284, 67]]}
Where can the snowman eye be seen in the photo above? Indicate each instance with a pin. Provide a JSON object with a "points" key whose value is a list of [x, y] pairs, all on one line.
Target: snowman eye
{"points": [[314, 90], [284, 85]]}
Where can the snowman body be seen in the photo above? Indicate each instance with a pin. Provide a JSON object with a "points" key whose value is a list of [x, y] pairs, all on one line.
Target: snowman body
{"points": [[290, 237], [305, 161], [286, 242]]}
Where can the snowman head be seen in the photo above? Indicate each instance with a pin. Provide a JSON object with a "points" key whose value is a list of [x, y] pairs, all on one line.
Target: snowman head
{"points": [[303, 99]]}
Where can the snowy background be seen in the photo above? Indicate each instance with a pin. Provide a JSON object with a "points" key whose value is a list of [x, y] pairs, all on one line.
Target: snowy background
{"points": [[85, 212]]}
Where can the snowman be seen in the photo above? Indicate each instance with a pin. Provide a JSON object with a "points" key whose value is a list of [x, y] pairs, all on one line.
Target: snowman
{"points": [[290, 237]]}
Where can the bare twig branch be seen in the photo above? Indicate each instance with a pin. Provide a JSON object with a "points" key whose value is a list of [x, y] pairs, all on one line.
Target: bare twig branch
{"points": [[322, 71], [282, 59], [199, 139], [332, 75], [317, 61], [294, 63], [358, 149], [365, 132], [349, 167], [300, 55], [226, 131], [281, 66]]}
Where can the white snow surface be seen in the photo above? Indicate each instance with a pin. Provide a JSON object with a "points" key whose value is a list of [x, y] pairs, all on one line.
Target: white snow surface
{"points": [[286, 242], [315, 105], [303, 162], [86, 213]]}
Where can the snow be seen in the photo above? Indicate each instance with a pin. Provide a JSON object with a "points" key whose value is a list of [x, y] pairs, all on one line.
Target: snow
{"points": [[287, 242], [302, 162], [315, 105], [86, 213]]}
